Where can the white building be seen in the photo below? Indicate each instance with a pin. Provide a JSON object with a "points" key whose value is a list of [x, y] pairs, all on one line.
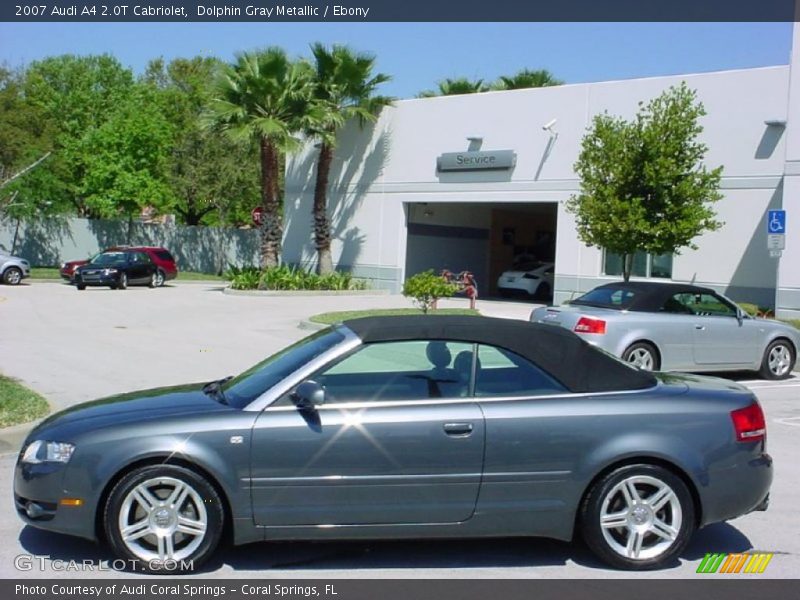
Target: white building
{"points": [[397, 208]]}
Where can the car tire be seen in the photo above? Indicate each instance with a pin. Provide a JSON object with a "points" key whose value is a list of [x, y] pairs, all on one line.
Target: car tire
{"points": [[543, 292], [638, 517], [12, 276], [643, 355], [161, 278], [80, 287], [163, 537], [122, 284], [153, 281], [779, 360]]}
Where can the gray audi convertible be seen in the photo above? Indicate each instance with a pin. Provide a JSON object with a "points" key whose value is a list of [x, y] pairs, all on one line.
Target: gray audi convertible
{"points": [[405, 427]]}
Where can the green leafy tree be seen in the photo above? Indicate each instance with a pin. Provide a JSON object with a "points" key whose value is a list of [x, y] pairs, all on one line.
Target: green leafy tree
{"points": [[344, 89], [456, 87], [73, 96], [644, 186], [266, 97], [214, 180], [125, 159], [526, 78]]}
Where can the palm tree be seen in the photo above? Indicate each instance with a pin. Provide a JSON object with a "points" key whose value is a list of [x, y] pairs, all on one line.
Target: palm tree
{"points": [[344, 89], [266, 97], [526, 79], [455, 87]]}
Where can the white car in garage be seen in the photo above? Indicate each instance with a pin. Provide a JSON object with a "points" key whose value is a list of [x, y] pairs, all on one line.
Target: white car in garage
{"points": [[532, 278]]}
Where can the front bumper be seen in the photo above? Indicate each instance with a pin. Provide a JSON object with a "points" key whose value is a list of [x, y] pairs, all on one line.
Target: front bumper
{"points": [[38, 490], [99, 280]]}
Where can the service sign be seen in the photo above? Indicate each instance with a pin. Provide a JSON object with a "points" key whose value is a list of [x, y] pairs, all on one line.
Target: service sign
{"points": [[477, 161]]}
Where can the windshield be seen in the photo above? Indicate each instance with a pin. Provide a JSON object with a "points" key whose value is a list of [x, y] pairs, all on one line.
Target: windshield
{"points": [[607, 297], [248, 386], [109, 258]]}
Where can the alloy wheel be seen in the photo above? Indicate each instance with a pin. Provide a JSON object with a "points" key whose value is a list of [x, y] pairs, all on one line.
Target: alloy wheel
{"points": [[163, 518], [13, 276], [158, 279], [641, 517], [779, 360], [642, 358]]}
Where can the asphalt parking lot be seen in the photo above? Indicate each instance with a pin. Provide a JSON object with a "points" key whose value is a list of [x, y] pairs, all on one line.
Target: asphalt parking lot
{"points": [[75, 346]]}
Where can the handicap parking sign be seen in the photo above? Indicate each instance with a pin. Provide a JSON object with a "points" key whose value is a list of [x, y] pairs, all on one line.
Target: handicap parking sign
{"points": [[776, 222]]}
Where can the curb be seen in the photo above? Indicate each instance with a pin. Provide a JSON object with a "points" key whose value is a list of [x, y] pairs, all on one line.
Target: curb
{"points": [[11, 438], [311, 326], [285, 293]]}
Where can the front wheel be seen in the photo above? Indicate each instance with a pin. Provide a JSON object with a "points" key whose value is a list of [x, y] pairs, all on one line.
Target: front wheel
{"points": [[164, 518], [12, 276], [642, 355], [638, 517], [779, 360], [123, 282]]}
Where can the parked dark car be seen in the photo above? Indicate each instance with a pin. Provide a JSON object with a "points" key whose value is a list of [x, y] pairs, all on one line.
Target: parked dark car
{"points": [[398, 427], [117, 270], [167, 269]]}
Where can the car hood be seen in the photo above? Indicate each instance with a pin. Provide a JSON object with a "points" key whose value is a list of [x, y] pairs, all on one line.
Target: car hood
{"points": [[130, 408]]}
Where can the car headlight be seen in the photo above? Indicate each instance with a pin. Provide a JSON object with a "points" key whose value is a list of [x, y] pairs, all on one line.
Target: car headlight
{"points": [[63, 266], [109, 271], [42, 451]]}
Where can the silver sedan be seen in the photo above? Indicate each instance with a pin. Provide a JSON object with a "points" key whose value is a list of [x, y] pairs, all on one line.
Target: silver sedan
{"points": [[675, 327]]}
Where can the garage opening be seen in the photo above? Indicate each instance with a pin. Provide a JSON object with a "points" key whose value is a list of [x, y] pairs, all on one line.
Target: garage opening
{"points": [[508, 247]]}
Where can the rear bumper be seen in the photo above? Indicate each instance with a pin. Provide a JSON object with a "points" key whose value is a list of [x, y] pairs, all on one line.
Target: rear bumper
{"points": [[737, 490]]}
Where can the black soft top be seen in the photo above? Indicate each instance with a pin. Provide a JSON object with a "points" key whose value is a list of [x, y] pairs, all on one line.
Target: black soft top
{"points": [[649, 296], [578, 365]]}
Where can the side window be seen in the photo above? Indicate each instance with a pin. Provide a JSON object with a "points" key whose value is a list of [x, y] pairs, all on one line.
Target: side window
{"points": [[144, 258], [678, 304], [705, 305], [411, 370], [501, 372]]}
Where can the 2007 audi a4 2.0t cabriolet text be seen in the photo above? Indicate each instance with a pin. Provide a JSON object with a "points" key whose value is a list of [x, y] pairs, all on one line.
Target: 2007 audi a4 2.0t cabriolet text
{"points": [[405, 427]]}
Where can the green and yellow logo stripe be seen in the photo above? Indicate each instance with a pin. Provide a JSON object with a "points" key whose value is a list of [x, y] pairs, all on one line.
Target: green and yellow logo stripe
{"points": [[719, 562]]}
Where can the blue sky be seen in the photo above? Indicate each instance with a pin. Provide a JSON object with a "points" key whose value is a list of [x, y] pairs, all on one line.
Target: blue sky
{"points": [[419, 54]]}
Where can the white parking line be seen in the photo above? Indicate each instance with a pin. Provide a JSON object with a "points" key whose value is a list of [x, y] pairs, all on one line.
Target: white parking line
{"points": [[768, 387]]}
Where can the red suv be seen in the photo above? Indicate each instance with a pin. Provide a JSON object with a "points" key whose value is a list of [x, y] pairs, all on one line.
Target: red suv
{"points": [[161, 257]]}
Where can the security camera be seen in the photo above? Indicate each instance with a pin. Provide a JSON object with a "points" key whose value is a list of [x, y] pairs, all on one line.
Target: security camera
{"points": [[549, 125]]}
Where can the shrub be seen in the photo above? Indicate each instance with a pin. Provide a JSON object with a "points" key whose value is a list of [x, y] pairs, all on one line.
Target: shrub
{"points": [[287, 277], [426, 288], [245, 278]]}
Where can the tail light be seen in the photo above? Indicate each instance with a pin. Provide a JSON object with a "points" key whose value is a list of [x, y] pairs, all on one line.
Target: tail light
{"points": [[749, 423], [589, 325]]}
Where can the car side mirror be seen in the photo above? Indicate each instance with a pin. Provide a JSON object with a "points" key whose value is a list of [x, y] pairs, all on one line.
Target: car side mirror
{"points": [[740, 315], [309, 394]]}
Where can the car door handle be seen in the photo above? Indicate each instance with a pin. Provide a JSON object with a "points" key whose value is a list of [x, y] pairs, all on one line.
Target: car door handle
{"points": [[458, 429], [700, 327]]}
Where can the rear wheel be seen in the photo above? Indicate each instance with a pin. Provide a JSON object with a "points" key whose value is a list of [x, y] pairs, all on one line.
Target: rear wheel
{"points": [[160, 278], [779, 360], [638, 517], [163, 516], [642, 355], [12, 276]]}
